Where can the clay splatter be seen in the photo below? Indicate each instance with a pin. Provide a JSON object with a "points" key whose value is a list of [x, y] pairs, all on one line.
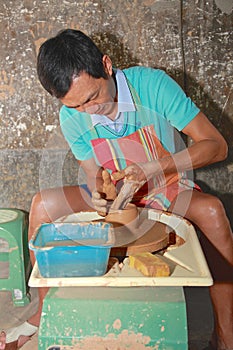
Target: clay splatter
{"points": [[125, 340], [117, 324]]}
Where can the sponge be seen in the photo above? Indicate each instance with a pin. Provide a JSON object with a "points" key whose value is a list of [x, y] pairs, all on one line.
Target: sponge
{"points": [[149, 265]]}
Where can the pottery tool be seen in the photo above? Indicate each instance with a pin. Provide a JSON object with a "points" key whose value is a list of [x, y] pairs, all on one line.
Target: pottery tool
{"points": [[125, 195]]}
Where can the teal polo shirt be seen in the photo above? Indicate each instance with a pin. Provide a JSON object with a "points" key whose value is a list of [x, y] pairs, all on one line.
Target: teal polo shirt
{"points": [[158, 100]]}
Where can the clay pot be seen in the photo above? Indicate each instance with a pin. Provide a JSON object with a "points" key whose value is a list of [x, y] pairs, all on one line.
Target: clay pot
{"points": [[128, 216]]}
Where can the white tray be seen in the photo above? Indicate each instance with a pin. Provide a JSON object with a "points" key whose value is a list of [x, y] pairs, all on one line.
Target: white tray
{"points": [[189, 267]]}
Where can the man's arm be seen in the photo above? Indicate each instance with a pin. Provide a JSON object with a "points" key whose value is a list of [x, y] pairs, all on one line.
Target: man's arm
{"points": [[93, 174], [98, 179], [100, 184], [208, 147]]}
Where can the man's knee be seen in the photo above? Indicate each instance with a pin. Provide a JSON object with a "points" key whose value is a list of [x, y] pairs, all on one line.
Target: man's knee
{"points": [[214, 208], [39, 208], [38, 204], [45, 199], [36, 200], [211, 212]]}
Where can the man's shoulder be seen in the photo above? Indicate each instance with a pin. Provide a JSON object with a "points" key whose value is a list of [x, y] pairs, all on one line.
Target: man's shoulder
{"points": [[65, 111], [142, 72], [141, 77]]}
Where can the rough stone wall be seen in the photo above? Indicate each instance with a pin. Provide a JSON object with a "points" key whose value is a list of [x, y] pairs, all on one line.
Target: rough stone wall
{"points": [[208, 62], [192, 40]]}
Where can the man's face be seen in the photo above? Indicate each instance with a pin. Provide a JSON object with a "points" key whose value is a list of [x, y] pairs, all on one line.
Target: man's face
{"points": [[93, 96]]}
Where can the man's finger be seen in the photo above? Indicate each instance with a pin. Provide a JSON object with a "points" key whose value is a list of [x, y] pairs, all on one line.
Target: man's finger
{"points": [[118, 175]]}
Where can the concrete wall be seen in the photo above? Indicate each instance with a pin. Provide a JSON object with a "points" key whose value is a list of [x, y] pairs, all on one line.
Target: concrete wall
{"points": [[190, 39]]}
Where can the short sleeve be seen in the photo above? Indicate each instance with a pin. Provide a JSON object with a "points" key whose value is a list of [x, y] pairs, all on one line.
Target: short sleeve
{"points": [[70, 122], [173, 103]]}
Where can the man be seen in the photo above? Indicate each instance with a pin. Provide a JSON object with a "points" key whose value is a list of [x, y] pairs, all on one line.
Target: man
{"points": [[122, 121]]}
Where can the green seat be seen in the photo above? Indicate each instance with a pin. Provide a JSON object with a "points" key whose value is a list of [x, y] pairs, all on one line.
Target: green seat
{"points": [[14, 254]]}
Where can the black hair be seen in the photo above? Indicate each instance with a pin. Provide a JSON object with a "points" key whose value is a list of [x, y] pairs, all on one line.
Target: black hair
{"points": [[64, 57]]}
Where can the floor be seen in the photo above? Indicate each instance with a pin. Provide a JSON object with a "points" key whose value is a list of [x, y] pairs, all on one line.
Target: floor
{"points": [[199, 315]]}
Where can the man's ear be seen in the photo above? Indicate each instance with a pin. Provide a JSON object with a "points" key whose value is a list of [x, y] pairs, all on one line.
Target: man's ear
{"points": [[107, 65]]}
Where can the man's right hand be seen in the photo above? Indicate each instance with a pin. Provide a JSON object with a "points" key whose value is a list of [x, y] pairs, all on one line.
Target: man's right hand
{"points": [[102, 199], [100, 204]]}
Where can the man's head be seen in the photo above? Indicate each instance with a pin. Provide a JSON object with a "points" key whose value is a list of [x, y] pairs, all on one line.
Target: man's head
{"points": [[64, 57]]}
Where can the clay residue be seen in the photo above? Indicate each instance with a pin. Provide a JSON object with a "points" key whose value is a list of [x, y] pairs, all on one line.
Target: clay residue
{"points": [[124, 340], [117, 324]]}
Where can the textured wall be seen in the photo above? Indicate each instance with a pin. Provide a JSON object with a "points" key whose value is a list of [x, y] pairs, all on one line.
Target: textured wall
{"points": [[194, 37]]}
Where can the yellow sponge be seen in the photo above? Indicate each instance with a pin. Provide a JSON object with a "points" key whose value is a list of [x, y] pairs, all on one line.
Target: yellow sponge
{"points": [[149, 265]]}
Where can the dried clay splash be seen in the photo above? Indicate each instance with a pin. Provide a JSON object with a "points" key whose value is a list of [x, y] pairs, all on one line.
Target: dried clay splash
{"points": [[124, 340]]}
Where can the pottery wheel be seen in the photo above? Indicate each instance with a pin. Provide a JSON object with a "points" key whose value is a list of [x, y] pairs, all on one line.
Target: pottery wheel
{"points": [[151, 236]]}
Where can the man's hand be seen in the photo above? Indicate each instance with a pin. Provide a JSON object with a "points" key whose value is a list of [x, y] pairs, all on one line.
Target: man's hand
{"points": [[134, 178], [100, 204], [134, 172], [108, 186], [103, 197]]}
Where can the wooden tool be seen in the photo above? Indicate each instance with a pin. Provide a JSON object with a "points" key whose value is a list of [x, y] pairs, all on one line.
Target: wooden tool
{"points": [[125, 195]]}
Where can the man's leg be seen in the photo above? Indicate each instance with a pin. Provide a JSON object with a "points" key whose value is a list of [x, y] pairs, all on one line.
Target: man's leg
{"points": [[207, 212], [47, 206]]}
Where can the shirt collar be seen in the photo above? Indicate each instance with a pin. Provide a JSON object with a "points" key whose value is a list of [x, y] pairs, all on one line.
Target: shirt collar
{"points": [[125, 101]]}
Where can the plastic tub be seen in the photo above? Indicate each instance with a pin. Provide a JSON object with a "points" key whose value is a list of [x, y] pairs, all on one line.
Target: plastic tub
{"points": [[72, 249]]}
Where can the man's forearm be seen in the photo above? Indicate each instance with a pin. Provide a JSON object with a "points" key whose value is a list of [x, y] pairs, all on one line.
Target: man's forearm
{"points": [[198, 155], [95, 183]]}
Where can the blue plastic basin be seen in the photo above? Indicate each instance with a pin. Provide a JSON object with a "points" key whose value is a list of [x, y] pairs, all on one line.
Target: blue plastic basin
{"points": [[72, 249]]}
